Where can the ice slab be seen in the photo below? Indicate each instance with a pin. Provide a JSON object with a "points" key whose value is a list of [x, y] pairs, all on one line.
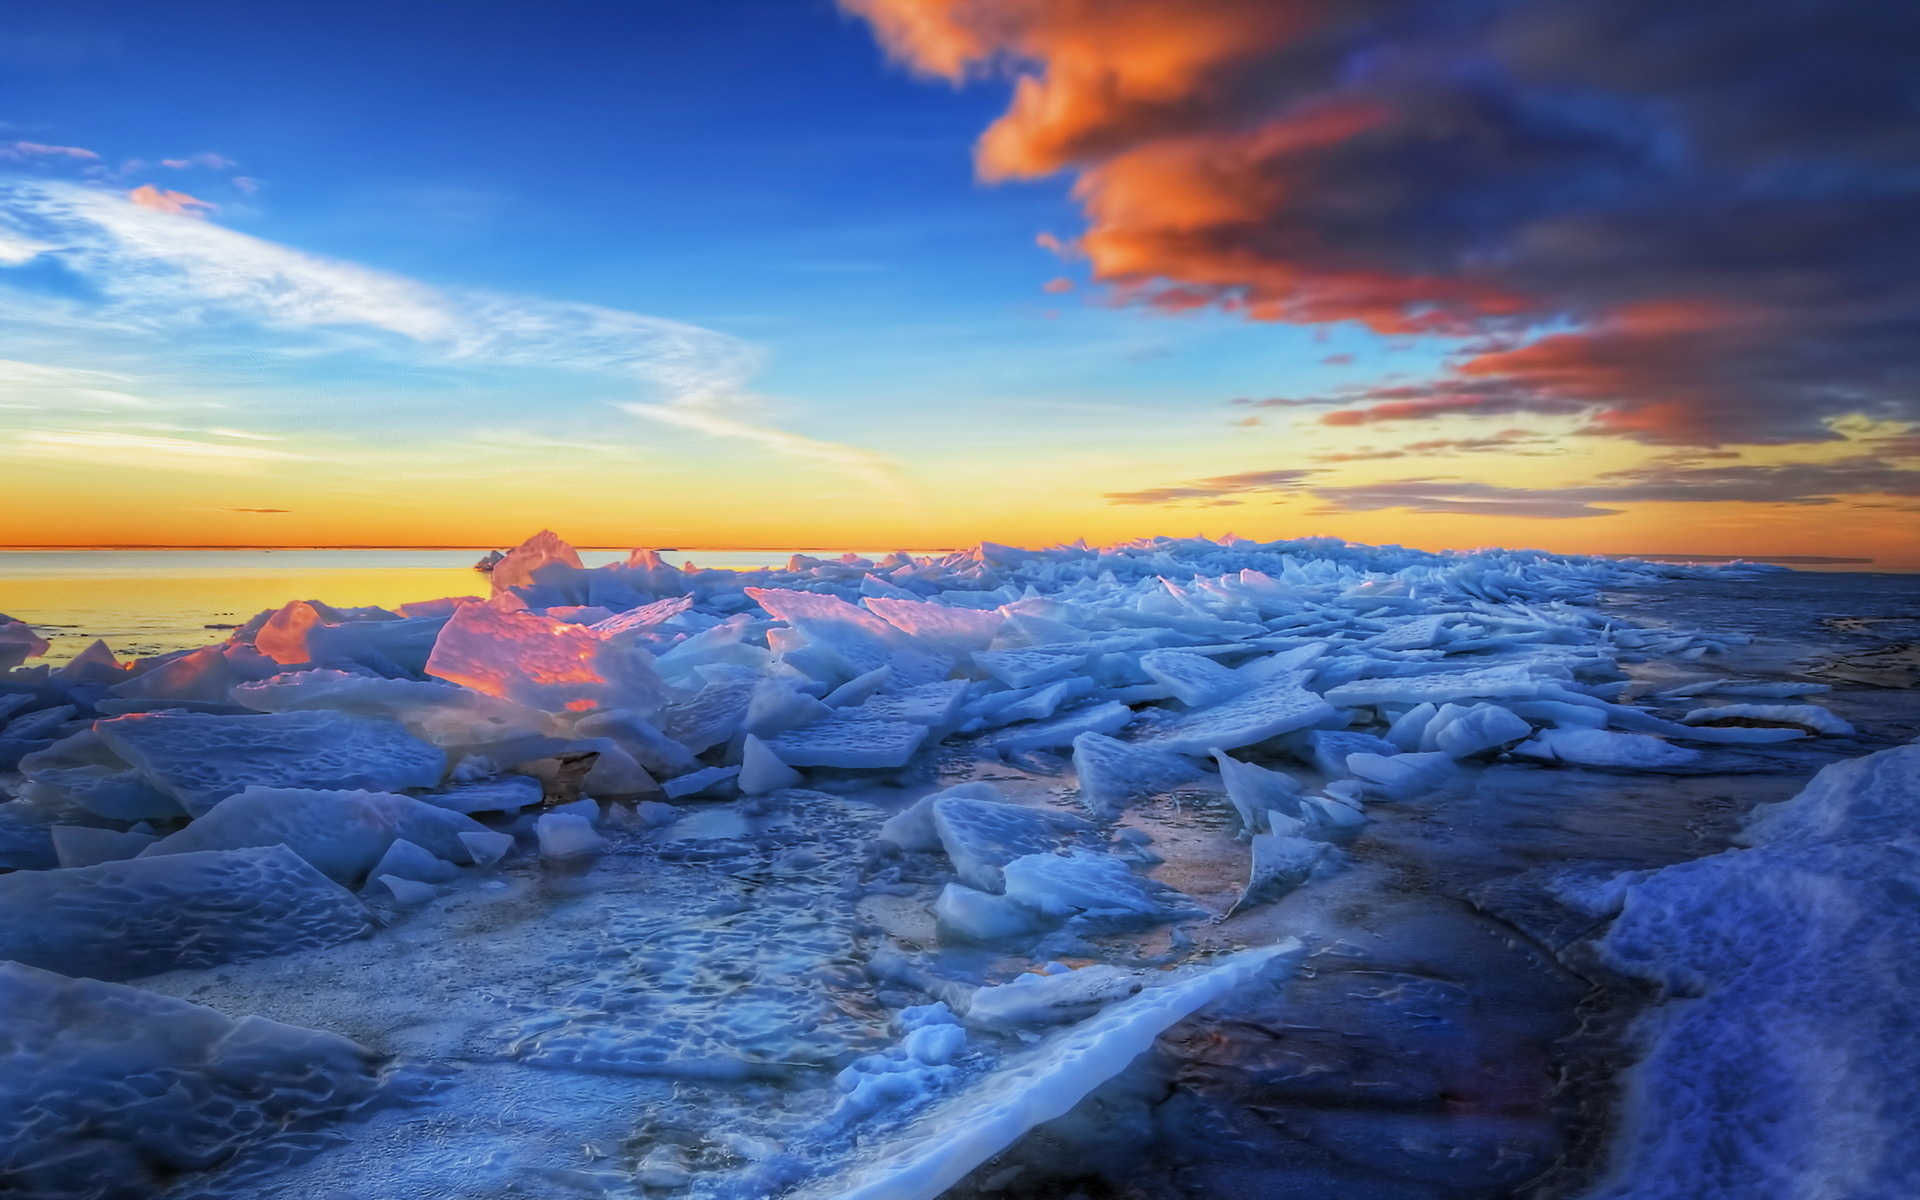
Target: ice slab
{"points": [[958, 1135], [440, 713], [81, 846], [1030, 666], [983, 836], [1491, 683], [1254, 791], [107, 1088], [1280, 864], [1812, 716], [762, 771], [849, 738], [122, 920], [508, 793], [935, 704], [342, 833], [1785, 1045], [1481, 728], [1403, 776], [1192, 678], [1275, 707], [1606, 748], [544, 664], [696, 782], [1063, 885], [1109, 718], [566, 836], [201, 759], [1035, 1001], [967, 914], [1114, 774]]}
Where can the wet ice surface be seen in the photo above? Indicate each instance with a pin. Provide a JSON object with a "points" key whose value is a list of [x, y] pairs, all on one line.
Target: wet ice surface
{"points": [[985, 854]]}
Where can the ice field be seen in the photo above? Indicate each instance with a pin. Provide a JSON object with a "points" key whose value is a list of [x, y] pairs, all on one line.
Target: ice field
{"points": [[1172, 869]]}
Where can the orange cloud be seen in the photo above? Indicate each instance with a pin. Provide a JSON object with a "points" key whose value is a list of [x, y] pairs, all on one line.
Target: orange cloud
{"points": [[178, 203], [20, 151], [1062, 284]]}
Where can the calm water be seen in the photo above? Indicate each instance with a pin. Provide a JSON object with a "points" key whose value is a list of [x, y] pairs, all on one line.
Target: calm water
{"points": [[151, 601]]}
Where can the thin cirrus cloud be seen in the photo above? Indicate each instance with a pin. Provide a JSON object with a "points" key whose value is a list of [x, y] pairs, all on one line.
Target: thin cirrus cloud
{"points": [[154, 268], [1798, 484], [1691, 222]]}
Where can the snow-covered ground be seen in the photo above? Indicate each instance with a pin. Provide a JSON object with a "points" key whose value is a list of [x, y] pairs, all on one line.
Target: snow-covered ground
{"points": [[1173, 868]]}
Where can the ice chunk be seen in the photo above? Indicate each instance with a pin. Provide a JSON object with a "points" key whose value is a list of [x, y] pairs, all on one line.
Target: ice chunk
{"points": [[1275, 707], [1785, 1044], [18, 643], [965, 914], [978, 1123], [405, 860], [1811, 716], [1490, 683], [508, 793], [106, 787], [859, 689], [1410, 727], [486, 847], [1192, 678], [1034, 1001], [934, 704], [1114, 774], [1764, 690], [201, 759], [566, 836], [81, 846], [712, 716], [138, 916], [440, 713], [409, 892], [982, 836], [1082, 881], [1280, 864], [1403, 776], [543, 663], [108, 1089], [912, 828], [1030, 666], [517, 567], [207, 675], [1605, 748], [1482, 727], [696, 782], [762, 771], [940, 627], [1326, 750], [775, 708], [342, 833], [1110, 717], [849, 738], [1256, 791], [1874, 798]]}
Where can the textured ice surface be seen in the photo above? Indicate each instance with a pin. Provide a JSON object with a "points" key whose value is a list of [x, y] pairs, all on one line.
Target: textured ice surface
{"points": [[1812, 716], [200, 759], [83, 846], [1604, 748], [508, 793], [1110, 717], [1275, 707], [1114, 774], [436, 712], [543, 663], [932, 1155], [342, 833], [849, 738], [1036, 1000], [1191, 678], [125, 919], [1280, 864], [1783, 1063], [107, 1090], [982, 836], [1062, 885]]}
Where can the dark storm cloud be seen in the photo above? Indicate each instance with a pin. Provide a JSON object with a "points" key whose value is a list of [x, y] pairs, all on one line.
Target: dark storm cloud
{"points": [[1714, 203]]}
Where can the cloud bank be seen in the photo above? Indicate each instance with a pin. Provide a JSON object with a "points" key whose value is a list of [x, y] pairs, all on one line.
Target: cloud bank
{"points": [[1707, 209]]}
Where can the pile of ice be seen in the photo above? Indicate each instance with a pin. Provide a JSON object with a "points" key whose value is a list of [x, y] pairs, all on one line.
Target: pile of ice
{"points": [[1782, 1062], [255, 797]]}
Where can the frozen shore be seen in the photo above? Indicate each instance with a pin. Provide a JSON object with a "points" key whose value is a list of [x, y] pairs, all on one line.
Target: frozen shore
{"points": [[1172, 869]]}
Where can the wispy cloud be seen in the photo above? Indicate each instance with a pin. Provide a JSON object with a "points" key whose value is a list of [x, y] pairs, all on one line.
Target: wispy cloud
{"points": [[156, 271], [179, 204], [28, 151], [112, 447], [1219, 489]]}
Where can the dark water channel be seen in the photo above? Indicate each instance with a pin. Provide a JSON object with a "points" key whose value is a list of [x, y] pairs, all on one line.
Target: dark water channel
{"points": [[1452, 1036]]}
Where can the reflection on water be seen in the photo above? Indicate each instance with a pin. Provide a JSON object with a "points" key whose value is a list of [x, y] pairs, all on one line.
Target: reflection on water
{"points": [[152, 601]]}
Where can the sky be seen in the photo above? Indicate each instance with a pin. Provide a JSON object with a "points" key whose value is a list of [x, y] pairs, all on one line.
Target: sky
{"points": [[1612, 276]]}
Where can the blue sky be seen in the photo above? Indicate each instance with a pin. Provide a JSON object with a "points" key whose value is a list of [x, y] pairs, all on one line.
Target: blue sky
{"points": [[757, 170]]}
